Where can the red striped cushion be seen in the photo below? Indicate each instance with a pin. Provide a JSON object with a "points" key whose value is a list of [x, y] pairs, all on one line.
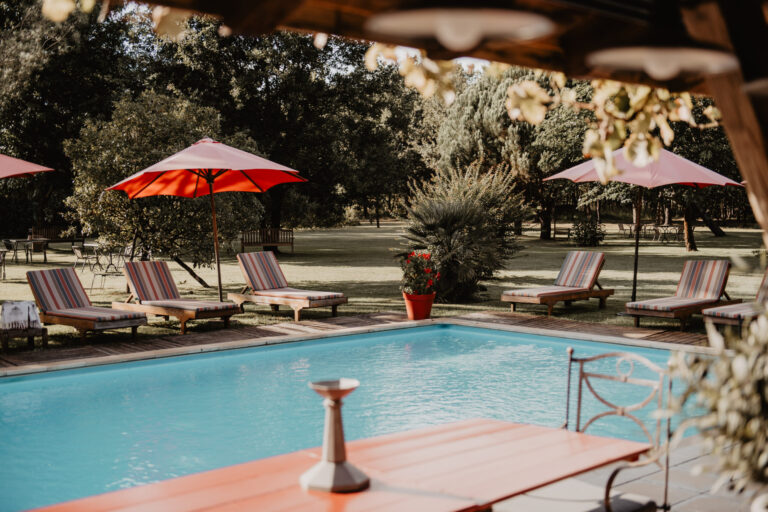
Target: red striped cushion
{"points": [[668, 303], [736, 311], [96, 314], [293, 293], [580, 269], [261, 270], [543, 291], [58, 288], [151, 280], [703, 279], [194, 305]]}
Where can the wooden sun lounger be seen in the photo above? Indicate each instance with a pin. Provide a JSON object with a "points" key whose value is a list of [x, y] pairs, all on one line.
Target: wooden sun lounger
{"points": [[702, 285], [154, 289], [577, 280], [266, 284], [61, 298], [737, 314]]}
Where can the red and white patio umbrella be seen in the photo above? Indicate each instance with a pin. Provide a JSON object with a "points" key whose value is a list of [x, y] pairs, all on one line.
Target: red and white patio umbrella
{"points": [[668, 169], [205, 168], [13, 167]]}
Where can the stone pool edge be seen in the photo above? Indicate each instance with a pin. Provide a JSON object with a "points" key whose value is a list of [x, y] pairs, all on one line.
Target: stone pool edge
{"points": [[32, 369]]}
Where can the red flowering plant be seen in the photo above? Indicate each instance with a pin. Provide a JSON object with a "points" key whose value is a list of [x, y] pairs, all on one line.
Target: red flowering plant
{"points": [[419, 274]]}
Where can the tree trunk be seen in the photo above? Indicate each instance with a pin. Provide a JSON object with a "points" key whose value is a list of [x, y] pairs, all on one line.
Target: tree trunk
{"points": [[597, 211], [545, 218], [377, 212], [518, 227], [191, 272], [710, 223], [689, 217], [667, 213]]}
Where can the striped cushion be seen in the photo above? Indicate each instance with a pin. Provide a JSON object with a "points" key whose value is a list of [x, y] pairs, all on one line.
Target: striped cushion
{"points": [[96, 314], [762, 292], [58, 288], [194, 305], [703, 279], [293, 293], [543, 291], [580, 269], [261, 270], [668, 303], [151, 280], [736, 311]]}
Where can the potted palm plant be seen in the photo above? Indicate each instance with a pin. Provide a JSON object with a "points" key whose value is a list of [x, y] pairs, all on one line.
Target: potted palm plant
{"points": [[418, 284]]}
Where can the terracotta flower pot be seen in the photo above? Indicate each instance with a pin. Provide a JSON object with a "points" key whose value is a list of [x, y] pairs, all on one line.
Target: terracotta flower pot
{"points": [[419, 307]]}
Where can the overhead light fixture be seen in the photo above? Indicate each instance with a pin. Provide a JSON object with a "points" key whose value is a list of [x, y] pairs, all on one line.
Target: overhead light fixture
{"points": [[667, 50], [665, 62], [460, 29]]}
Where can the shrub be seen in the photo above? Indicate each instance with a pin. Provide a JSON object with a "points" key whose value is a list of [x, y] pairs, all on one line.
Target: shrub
{"points": [[465, 219], [419, 276], [588, 233], [731, 393]]}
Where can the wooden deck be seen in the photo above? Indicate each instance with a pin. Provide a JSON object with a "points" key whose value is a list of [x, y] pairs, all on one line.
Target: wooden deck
{"points": [[464, 466], [19, 357]]}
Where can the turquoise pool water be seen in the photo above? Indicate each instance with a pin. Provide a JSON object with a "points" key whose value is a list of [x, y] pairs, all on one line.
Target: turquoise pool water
{"points": [[76, 433]]}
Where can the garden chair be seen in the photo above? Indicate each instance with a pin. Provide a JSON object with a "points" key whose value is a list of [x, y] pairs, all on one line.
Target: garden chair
{"points": [[266, 284], [84, 259], [736, 314], [701, 286], [13, 247], [602, 393], [61, 298], [576, 281], [624, 231], [154, 290], [2, 262]]}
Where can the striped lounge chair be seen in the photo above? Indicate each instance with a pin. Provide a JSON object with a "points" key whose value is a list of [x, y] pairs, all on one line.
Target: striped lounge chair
{"points": [[736, 314], [61, 298], [154, 292], [576, 281], [701, 286], [266, 284]]}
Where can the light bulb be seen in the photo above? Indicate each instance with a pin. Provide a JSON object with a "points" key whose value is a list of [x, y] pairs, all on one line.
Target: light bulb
{"points": [[457, 34]]}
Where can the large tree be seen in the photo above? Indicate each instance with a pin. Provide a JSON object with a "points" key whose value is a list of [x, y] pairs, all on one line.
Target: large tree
{"points": [[142, 132], [477, 127], [53, 78]]}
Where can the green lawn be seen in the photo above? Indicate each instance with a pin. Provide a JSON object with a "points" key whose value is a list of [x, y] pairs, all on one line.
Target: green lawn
{"points": [[359, 262]]}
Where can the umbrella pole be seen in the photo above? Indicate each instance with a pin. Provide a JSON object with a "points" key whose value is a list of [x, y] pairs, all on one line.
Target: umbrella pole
{"points": [[637, 240], [215, 239]]}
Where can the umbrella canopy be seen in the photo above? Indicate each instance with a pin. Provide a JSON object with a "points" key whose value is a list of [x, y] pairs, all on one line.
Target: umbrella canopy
{"points": [[10, 167], [669, 169], [206, 168], [188, 173]]}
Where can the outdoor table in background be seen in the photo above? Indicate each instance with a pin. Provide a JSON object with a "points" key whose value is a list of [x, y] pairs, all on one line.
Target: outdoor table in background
{"points": [[468, 465], [28, 246], [111, 259]]}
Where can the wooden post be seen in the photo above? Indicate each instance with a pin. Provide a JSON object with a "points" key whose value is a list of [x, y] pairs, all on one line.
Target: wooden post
{"points": [[215, 240], [638, 212]]}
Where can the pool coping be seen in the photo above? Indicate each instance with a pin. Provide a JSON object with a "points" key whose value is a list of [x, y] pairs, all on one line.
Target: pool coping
{"points": [[31, 369]]}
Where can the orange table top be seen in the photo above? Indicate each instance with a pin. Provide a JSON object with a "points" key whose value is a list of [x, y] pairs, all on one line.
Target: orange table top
{"points": [[460, 466]]}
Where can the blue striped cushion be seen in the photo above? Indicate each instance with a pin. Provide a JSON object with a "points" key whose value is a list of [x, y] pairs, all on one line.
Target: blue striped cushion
{"points": [[58, 288], [580, 269], [703, 279], [194, 305], [261, 270], [96, 314], [543, 291], [736, 311], [667, 303], [151, 280]]}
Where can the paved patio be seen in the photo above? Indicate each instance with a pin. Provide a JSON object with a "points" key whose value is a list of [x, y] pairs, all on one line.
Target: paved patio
{"points": [[688, 493]]}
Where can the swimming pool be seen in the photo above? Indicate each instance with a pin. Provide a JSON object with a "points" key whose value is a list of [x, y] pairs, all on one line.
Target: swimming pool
{"points": [[75, 433]]}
